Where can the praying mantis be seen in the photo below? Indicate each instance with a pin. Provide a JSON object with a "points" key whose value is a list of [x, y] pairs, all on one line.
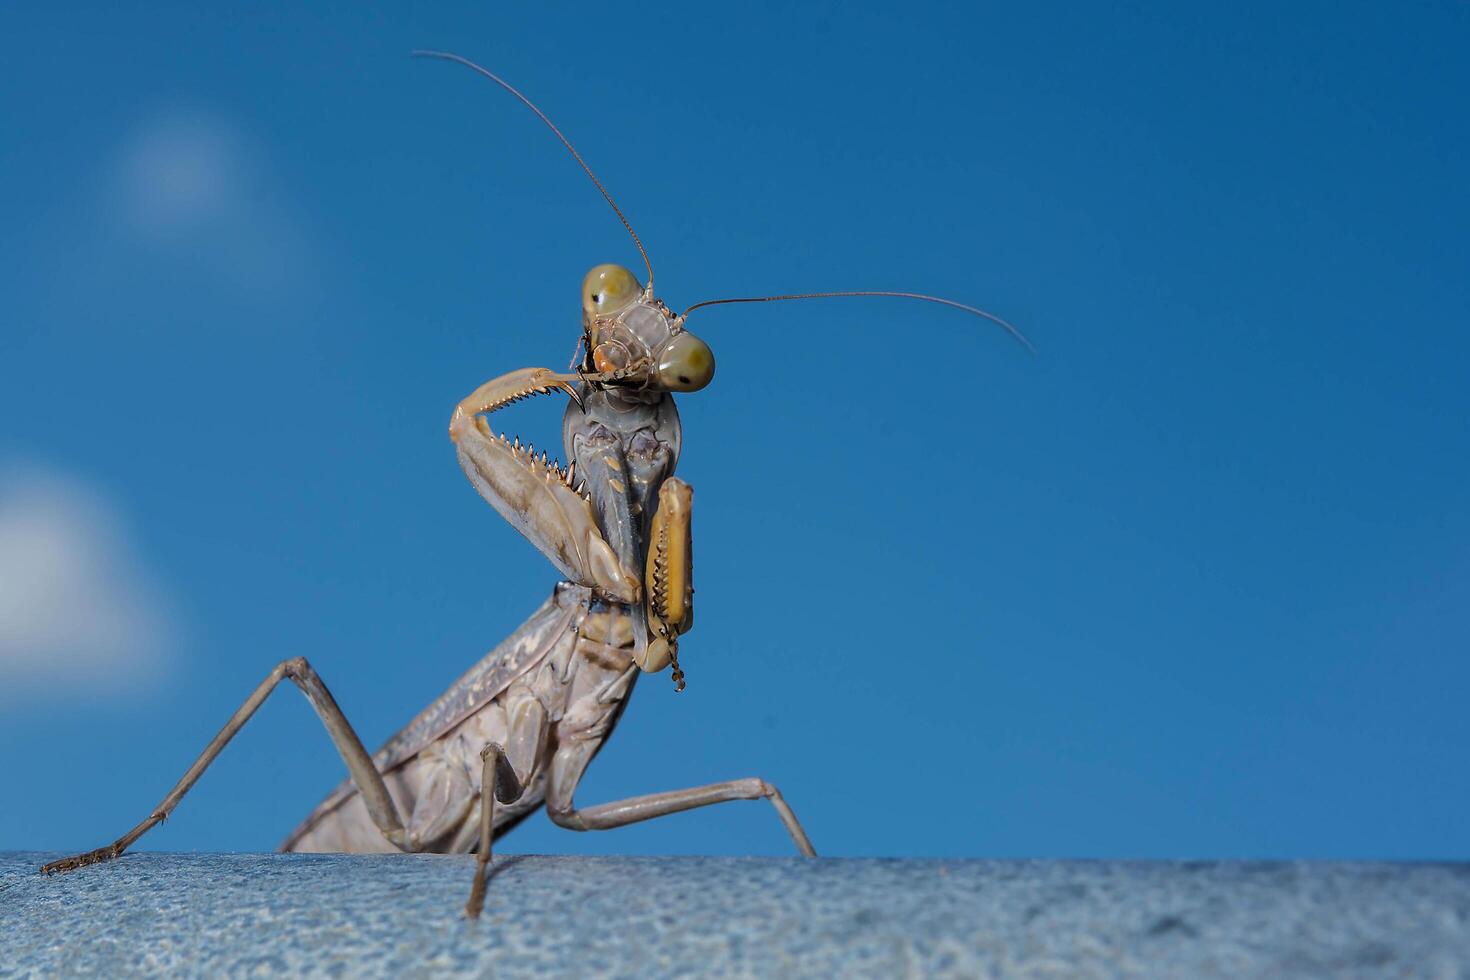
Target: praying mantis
{"points": [[518, 730]]}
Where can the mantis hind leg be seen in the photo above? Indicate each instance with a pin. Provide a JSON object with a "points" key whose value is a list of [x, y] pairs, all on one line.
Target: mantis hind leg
{"points": [[571, 761], [359, 764]]}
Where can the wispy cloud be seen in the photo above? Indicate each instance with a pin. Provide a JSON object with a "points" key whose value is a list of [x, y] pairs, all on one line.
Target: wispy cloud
{"points": [[190, 185], [80, 617]]}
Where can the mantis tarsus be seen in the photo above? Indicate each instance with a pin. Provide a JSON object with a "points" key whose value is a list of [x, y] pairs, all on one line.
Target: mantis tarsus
{"points": [[518, 730]]}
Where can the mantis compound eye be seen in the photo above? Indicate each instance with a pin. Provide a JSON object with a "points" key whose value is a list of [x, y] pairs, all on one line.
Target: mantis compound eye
{"points": [[609, 289], [685, 363]]}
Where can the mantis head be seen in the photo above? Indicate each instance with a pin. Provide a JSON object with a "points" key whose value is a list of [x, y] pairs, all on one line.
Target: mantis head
{"points": [[633, 340], [633, 336]]}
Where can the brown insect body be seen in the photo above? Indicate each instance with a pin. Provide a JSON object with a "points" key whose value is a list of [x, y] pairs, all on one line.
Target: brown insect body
{"points": [[518, 730]]}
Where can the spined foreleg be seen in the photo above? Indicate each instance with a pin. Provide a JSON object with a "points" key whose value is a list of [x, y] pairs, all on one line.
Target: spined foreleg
{"points": [[537, 497], [669, 578]]}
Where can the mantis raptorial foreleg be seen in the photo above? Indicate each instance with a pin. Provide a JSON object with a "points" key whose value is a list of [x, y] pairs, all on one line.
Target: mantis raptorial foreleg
{"points": [[669, 577], [536, 496], [571, 761], [359, 764]]}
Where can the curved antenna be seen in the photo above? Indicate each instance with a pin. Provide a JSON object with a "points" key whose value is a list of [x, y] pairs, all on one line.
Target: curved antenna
{"points": [[1020, 337], [447, 56]]}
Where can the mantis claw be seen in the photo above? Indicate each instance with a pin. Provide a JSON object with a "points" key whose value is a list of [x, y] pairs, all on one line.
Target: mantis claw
{"points": [[576, 397]]}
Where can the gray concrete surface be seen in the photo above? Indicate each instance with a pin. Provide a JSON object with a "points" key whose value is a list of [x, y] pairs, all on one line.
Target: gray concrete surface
{"points": [[285, 915]]}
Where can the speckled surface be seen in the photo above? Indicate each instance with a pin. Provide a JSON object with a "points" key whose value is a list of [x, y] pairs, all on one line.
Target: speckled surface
{"points": [[399, 916]]}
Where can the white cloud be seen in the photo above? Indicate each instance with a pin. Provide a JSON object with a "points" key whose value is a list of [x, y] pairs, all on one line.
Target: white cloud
{"points": [[178, 172], [80, 618], [190, 186]]}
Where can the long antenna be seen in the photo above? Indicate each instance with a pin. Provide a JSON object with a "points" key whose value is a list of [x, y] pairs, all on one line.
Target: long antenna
{"points": [[1020, 337], [447, 56]]}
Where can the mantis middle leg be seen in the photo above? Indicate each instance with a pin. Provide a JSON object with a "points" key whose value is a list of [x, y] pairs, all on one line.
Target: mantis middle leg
{"points": [[498, 782], [506, 771], [359, 764]]}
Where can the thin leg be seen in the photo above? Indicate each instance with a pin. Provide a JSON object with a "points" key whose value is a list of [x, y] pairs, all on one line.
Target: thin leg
{"points": [[359, 764], [498, 782], [639, 808]]}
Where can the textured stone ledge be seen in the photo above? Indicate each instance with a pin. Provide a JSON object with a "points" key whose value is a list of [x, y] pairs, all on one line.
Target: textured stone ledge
{"points": [[277, 915]]}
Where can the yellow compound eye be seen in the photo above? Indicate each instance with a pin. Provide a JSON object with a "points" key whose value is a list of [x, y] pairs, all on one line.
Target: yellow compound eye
{"points": [[608, 289], [685, 363]]}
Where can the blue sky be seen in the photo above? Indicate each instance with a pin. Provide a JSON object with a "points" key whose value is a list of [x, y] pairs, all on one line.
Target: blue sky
{"points": [[1193, 581]]}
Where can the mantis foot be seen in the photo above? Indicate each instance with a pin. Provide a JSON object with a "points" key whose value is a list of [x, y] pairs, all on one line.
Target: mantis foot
{"points": [[82, 860]]}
